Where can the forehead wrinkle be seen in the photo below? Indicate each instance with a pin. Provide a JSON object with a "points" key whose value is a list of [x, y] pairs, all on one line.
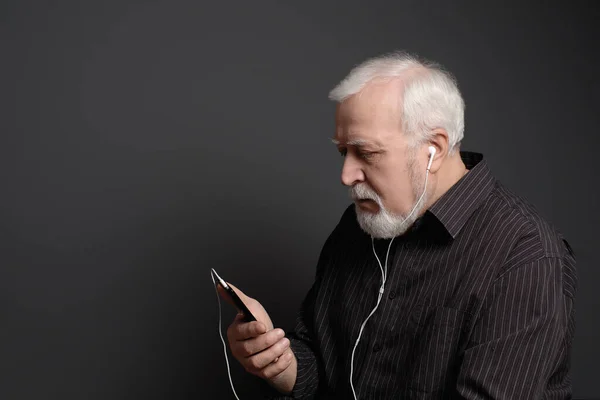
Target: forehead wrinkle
{"points": [[380, 99]]}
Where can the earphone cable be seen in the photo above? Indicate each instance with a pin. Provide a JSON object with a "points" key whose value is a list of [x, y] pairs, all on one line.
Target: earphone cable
{"points": [[223, 340]]}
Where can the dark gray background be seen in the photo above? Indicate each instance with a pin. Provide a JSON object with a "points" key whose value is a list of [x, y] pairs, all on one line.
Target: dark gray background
{"points": [[145, 142]]}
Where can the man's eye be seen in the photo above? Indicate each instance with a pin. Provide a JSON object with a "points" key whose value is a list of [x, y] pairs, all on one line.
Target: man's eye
{"points": [[366, 155], [343, 152]]}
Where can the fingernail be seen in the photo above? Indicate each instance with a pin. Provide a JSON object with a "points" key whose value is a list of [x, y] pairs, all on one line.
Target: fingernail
{"points": [[286, 342], [280, 333]]}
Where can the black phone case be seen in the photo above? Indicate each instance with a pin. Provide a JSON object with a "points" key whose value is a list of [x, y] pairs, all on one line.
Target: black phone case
{"points": [[248, 317]]}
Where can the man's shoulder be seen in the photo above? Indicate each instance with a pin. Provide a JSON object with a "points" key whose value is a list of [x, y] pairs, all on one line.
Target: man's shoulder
{"points": [[533, 235]]}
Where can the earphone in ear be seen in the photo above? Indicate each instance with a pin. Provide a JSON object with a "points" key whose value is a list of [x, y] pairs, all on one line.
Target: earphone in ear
{"points": [[432, 151]]}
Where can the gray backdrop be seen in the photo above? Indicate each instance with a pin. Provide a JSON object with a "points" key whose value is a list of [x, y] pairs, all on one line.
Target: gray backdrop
{"points": [[145, 142]]}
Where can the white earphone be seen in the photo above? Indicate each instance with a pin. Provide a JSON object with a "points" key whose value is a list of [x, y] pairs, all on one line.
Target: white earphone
{"points": [[431, 154], [432, 151]]}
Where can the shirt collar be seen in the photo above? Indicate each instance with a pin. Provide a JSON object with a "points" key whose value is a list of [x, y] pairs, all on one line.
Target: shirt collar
{"points": [[454, 207]]}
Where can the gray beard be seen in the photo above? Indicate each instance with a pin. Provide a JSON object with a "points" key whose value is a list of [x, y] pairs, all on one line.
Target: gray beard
{"points": [[384, 224]]}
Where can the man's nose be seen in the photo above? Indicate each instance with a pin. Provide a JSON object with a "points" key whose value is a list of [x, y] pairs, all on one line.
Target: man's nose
{"points": [[352, 173]]}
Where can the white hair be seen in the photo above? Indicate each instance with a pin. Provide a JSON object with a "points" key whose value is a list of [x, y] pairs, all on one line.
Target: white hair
{"points": [[431, 98]]}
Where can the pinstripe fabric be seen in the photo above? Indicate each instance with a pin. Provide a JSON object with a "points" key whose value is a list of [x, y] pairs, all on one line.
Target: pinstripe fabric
{"points": [[478, 304]]}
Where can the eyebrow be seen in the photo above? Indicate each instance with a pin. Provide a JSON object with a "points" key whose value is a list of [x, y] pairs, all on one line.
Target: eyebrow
{"points": [[355, 142]]}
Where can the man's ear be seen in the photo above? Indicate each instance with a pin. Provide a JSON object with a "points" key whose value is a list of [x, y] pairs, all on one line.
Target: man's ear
{"points": [[439, 140]]}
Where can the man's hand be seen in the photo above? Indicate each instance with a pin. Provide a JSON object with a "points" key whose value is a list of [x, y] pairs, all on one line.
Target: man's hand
{"points": [[262, 350]]}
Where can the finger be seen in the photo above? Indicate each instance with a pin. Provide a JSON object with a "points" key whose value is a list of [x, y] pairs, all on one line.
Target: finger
{"points": [[259, 361], [240, 330], [256, 345], [277, 367]]}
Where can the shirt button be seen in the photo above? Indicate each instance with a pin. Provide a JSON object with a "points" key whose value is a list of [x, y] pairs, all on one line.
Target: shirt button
{"points": [[392, 295], [376, 348]]}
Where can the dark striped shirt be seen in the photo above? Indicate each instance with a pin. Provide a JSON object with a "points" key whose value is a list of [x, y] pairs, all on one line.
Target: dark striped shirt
{"points": [[478, 304]]}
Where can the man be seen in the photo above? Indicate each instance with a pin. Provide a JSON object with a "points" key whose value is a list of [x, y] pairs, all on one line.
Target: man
{"points": [[456, 287]]}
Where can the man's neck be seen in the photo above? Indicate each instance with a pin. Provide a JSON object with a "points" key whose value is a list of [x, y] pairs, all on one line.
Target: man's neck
{"points": [[447, 176]]}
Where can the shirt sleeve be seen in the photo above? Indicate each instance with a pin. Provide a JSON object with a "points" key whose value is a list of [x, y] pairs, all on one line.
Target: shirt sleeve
{"points": [[307, 378], [520, 345], [301, 340]]}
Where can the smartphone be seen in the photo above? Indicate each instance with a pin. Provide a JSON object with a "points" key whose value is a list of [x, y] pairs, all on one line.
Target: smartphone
{"points": [[248, 317]]}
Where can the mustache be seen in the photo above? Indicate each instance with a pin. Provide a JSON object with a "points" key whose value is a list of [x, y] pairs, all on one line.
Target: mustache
{"points": [[362, 191]]}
